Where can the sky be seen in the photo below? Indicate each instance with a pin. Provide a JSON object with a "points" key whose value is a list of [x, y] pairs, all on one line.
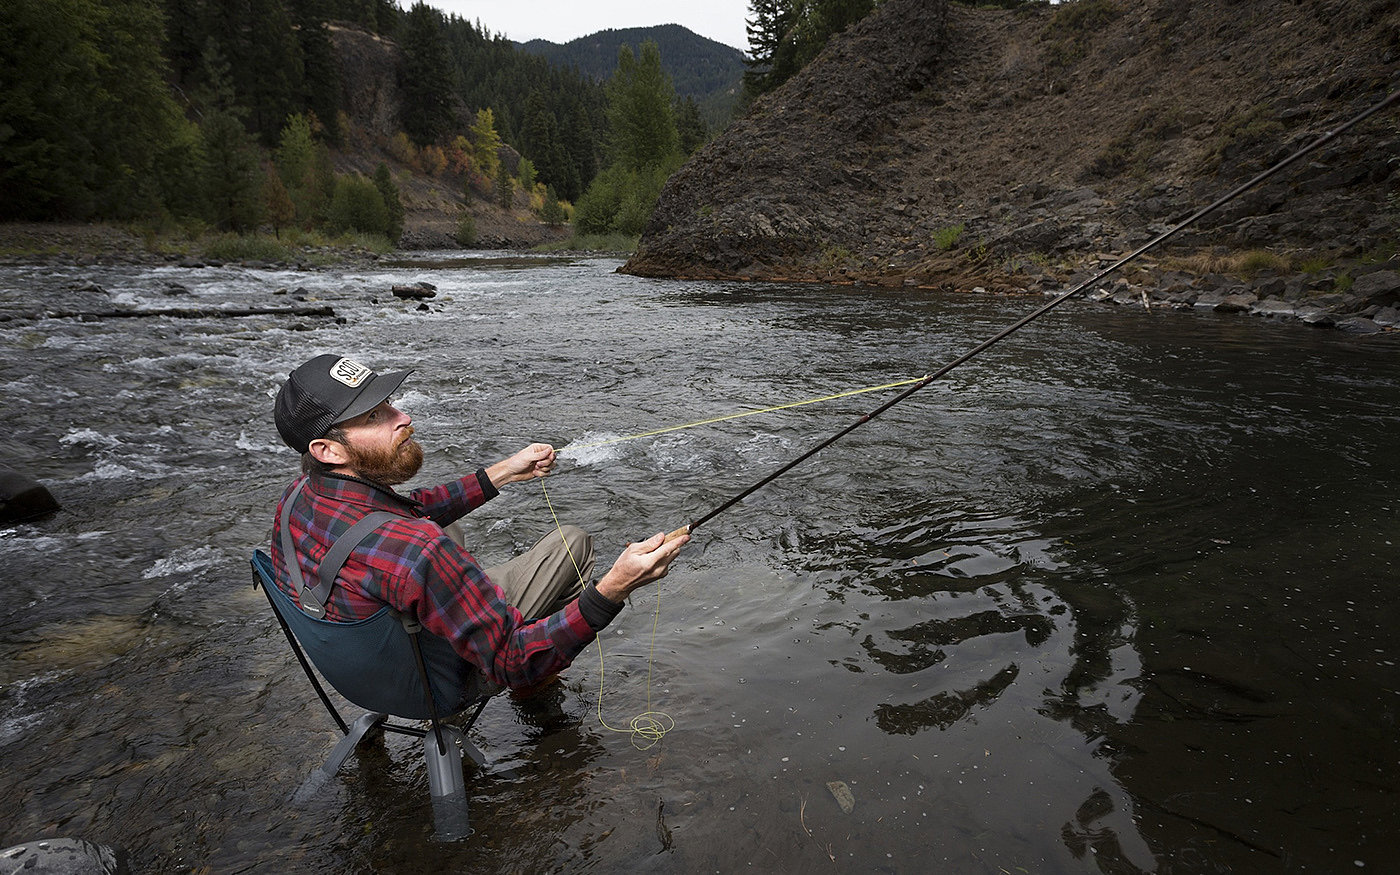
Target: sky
{"points": [[562, 20]]}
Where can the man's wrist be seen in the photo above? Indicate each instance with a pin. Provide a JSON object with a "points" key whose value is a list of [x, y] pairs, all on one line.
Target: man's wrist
{"points": [[597, 609]]}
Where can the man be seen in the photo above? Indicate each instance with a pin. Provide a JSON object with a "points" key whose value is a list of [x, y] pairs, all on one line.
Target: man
{"points": [[518, 624]]}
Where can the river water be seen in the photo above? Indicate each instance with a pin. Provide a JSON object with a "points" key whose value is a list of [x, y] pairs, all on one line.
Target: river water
{"points": [[1118, 595]]}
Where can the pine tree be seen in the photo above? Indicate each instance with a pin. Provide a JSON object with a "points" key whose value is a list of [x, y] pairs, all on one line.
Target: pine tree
{"points": [[393, 206], [320, 65], [642, 122], [690, 127], [505, 186], [425, 77], [232, 183]]}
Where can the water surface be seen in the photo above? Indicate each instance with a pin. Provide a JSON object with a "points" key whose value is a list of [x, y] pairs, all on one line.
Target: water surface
{"points": [[1117, 596]]}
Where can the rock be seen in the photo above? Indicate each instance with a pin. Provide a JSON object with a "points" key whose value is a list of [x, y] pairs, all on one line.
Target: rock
{"points": [[1358, 325], [1378, 284], [843, 795], [415, 292], [62, 857], [1387, 316], [1237, 303], [23, 498], [1312, 314], [1276, 307], [1211, 299]]}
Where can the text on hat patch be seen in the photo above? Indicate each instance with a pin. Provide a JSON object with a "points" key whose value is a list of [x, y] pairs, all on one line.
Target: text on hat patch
{"points": [[350, 372]]}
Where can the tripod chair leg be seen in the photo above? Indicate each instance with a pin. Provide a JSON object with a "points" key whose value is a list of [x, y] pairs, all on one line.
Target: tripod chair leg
{"points": [[446, 784], [350, 741]]}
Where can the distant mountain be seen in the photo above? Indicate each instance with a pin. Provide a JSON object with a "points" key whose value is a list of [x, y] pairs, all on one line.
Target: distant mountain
{"points": [[709, 71]]}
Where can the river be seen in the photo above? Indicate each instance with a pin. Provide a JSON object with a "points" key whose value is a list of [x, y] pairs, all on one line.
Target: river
{"points": [[1118, 595]]}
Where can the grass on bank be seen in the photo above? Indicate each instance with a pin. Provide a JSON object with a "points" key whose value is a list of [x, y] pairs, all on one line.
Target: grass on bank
{"points": [[620, 243]]}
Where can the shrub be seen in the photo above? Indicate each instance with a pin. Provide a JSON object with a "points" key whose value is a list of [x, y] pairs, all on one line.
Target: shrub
{"points": [[946, 238], [466, 231], [357, 205]]}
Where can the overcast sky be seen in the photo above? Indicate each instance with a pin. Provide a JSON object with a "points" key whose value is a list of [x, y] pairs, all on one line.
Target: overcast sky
{"points": [[562, 20]]}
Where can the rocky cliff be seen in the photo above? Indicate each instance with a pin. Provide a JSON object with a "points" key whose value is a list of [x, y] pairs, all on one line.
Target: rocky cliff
{"points": [[943, 145]]}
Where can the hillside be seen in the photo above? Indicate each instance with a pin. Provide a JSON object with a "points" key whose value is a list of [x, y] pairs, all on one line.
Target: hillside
{"points": [[699, 67], [433, 204], [945, 145]]}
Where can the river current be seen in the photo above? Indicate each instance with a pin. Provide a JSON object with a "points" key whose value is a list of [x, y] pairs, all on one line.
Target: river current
{"points": [[1118, 595]]}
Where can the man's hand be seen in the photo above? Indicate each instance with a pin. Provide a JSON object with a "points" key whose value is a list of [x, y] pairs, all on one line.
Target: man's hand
{"points": [[536, 460], [640, 564]]}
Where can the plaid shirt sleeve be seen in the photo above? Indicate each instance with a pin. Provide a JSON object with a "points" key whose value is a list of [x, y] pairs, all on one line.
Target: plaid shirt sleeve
{"points": [[413, 566], [451, 501], [419, 570]]}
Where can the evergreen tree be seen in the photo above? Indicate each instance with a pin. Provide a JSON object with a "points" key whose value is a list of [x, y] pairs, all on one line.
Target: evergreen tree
{"points": [[232, 183], [320, 66], [505, 187], [425, 77], [640, 117], [393, 206], [269, 73], [87, 125], [552, 213], [784, 35], [690, 127]]}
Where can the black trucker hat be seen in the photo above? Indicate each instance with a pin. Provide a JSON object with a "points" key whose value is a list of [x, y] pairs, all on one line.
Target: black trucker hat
{"points": [[327, 390]]}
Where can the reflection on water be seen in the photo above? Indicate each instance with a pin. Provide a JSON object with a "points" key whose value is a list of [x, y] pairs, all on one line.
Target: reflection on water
{"points": [[1116, 596]]}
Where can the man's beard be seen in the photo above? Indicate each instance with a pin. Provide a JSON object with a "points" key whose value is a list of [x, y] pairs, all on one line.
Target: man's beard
{"points": [[389, 467]]}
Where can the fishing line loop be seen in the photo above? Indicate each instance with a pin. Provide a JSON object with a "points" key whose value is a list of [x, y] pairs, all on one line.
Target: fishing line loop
{"points": [[649, 727]]}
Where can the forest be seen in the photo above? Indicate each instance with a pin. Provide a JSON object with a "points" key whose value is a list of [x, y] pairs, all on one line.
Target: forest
{"points": [[225, 114]]}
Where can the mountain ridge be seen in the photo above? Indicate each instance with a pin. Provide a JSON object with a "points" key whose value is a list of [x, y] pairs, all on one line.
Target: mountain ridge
{"points": [[709, 71]]}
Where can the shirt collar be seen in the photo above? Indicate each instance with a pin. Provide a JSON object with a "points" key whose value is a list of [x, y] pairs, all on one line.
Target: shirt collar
{"points": [[357, 490]]}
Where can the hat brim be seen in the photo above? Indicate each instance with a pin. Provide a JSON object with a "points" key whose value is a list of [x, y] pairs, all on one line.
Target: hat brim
{"points": [[374, 393]]}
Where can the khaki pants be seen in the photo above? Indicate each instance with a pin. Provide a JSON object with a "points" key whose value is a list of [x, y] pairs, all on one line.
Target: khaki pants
{"points": [[543, 579]]}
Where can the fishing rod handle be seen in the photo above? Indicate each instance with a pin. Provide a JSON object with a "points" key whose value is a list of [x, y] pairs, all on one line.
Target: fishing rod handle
{"points": [[683, 530]]}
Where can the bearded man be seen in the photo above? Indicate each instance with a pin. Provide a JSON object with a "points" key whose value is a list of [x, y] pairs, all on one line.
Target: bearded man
{"points": [[517, 624]]}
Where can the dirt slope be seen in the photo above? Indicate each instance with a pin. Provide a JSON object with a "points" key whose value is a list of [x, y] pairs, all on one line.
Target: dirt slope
{"points": [[1048, 136]]}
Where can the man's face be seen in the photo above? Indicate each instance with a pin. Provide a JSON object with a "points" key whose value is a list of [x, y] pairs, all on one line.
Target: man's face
{"points": [[380, 445]]}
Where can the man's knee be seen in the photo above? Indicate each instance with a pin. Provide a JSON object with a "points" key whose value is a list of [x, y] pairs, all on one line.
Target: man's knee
{"points": [[580, 542]]}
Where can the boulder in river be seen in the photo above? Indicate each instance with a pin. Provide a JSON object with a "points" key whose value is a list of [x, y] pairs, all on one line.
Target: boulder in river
{"points": [[63, 857], [23, 498], [416, 291]]}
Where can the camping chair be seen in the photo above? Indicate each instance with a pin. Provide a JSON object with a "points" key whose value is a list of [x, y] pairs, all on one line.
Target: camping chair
{"points": [[389, 666]]}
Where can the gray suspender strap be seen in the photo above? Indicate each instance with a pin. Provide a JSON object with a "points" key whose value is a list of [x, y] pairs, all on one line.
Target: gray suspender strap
{"points": [[341, 549], [313, 600]]}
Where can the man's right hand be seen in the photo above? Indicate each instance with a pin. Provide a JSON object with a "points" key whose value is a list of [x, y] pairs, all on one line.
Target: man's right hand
{"points": [[641, 563]]}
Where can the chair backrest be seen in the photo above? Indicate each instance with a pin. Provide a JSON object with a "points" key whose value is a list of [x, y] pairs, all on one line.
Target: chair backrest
{"points": [[371, 661]]}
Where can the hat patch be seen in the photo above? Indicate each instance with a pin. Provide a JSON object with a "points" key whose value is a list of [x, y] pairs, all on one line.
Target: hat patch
{"points": [[350, 372]]}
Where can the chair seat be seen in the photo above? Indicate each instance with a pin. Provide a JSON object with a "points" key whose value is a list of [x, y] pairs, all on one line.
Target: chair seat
{"points": [[371, 662]]}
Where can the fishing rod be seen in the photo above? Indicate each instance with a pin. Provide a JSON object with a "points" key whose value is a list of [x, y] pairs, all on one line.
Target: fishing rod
{"points": [[1026, 320]]}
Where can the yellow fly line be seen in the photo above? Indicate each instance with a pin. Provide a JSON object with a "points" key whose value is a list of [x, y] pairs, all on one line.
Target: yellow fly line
{"points": [[741, 415]]}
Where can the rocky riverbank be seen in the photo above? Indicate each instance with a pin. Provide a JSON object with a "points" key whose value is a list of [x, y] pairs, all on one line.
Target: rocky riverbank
{"points": [[941, 145]]}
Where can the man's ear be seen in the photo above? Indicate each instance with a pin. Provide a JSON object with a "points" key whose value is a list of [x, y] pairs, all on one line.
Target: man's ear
{"points": [[328, 452]]}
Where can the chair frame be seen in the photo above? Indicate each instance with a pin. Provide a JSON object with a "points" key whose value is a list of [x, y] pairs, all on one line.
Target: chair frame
{"points": [[442, 750]]}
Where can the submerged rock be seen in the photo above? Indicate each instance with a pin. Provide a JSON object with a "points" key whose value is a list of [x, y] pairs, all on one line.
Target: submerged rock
{"points": [[63, 857], [23, 498]]}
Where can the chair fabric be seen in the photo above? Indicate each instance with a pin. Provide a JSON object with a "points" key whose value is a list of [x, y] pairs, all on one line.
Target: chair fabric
{"points": [[371, 662]]}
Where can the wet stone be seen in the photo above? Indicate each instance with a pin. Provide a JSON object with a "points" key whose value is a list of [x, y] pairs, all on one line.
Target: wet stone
{"points": [[1358, 325]]}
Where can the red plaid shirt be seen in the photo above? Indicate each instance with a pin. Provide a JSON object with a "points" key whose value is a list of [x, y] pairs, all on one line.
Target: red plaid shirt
{"points": [[414, 566]]}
